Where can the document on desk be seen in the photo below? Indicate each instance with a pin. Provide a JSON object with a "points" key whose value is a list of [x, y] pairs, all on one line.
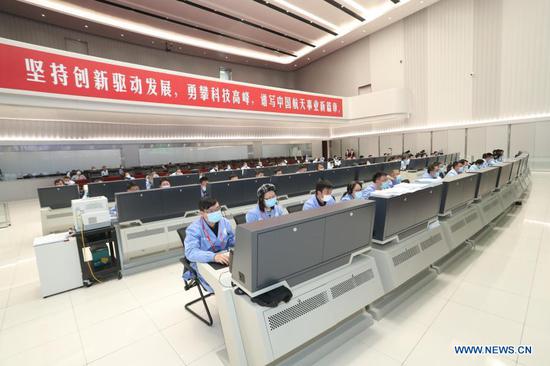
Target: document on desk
{"points": [[400, 189]]}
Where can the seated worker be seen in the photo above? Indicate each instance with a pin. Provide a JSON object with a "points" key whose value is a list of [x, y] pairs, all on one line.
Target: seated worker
{"points": [[302, 169], [177, 172], [322, 197], [245, 166], [204, 186], [260, 174], [207, 236], [490, 160], [353, 191], [378, 183], [465, 165], [68, 181], [127, 176], [233, 177], [278, 172], [405, 160], [78, 176], [214, 169], [476, 165], [320, 167], [165, 183], [267, 206], [260, 164], [228, 167], [432, 172], [456, 169], [394, 177], [58, 183], [104, 171]]}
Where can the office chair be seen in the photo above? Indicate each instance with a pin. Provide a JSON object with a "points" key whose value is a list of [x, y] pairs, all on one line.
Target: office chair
{"points": [[240, 219], [194, 282]]}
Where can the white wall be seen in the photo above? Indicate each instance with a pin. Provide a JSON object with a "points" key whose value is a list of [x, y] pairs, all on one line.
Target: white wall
{"points": [[462, 60], [368, 145], [153, 156]]}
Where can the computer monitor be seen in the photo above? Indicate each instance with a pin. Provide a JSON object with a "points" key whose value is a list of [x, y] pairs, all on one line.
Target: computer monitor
{"points": [[457, 192], [433, 159], [144, 206], [233, 193], [365, 172], [58, 197], [223, 175], [298, 247], [109, 189], [294, 208], [341, 177], [388, 167], [487, 181], [176, 201], [405, 213], [417, 164], [296, 184], [504, 175], [178, 180]]}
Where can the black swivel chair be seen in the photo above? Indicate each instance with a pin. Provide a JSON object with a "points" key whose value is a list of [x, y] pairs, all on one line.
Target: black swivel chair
{"points": [[194, 282], [240, 219]]}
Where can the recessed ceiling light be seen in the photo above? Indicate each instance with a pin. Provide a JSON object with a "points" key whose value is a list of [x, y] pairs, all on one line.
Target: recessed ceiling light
{"points": [[364, 31], [308, 59], [179, 48], [43, 15], [85, 25], [341, 41], [389, 18], [122, 34], [226, 57], [324, 50], [153, 42]]}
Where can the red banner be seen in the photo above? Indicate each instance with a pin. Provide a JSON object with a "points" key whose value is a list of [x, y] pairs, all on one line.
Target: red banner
{"points": [[33, 70]]}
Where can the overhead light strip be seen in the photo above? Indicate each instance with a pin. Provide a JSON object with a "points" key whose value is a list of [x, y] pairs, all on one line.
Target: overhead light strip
{"points": [[167, 19], [295, 16], [244, 21], [345, 10]]}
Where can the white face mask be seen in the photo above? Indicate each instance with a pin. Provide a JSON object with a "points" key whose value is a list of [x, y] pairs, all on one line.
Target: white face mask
{"points": [[327, 197]]}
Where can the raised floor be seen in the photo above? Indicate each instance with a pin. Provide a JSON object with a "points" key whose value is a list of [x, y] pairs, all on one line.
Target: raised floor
{"points": [[497, 294]]}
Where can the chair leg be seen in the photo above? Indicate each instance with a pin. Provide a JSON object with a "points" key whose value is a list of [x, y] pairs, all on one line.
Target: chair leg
{"points": [[202, 298]]}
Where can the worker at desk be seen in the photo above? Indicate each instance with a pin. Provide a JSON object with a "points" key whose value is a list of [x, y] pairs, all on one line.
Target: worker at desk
{"points": [[267, 206], [204, 186], [457, 169], [353, 191], [322, 197], [432, 172], [394, 178], [477, 165], [207, 238], [379, 181]]}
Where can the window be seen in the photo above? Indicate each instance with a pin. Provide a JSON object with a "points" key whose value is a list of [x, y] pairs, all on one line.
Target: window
{"points": [[226, 74]]}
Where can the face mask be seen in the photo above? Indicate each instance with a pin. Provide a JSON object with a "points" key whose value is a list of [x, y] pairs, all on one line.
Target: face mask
{"points": [[433, 174], [203, 189], [385, 185], [398, 179], [215, 216], [460, 170], [271, 202], [358, 195], [327, 197]]}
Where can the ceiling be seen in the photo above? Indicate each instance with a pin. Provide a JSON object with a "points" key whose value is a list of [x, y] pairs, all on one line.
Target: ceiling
{"points": [[279, 34]]}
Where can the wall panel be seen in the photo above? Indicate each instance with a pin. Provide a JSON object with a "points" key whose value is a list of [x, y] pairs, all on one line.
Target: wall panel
{"points": [[392, 144], [368, 145]]}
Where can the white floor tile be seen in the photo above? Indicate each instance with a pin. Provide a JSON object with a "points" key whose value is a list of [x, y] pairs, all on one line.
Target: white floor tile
{"points": [[105, 307], [150, 287], [114, 333], [25, 293], [211, 359], [538, 315], [355, 353], [192, 339], [31, 310], [151, 350], [498, 302], [539, 340], [4, 294], [393, 338], [96, 291], [64, 351], [36, 332], [472, 326]]}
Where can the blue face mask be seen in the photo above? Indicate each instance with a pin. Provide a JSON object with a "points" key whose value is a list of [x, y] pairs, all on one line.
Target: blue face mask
{"points": [[385, 185], [398, 179], [460, 170], [358, 195], [271, 202], [215, 216]]}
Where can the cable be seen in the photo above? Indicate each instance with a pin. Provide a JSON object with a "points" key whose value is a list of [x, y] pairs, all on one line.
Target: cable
{"points": [[83, 247]]}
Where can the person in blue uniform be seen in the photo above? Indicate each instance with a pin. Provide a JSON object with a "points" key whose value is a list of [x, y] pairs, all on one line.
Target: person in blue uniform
{"points": [[322, 197], [208, 238], [267, 206], [476, 165], [394, 178], [457, 169], [490, 160], [131, 187], [378, 183], [432, 172], [353, 191], [204, 186]]}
